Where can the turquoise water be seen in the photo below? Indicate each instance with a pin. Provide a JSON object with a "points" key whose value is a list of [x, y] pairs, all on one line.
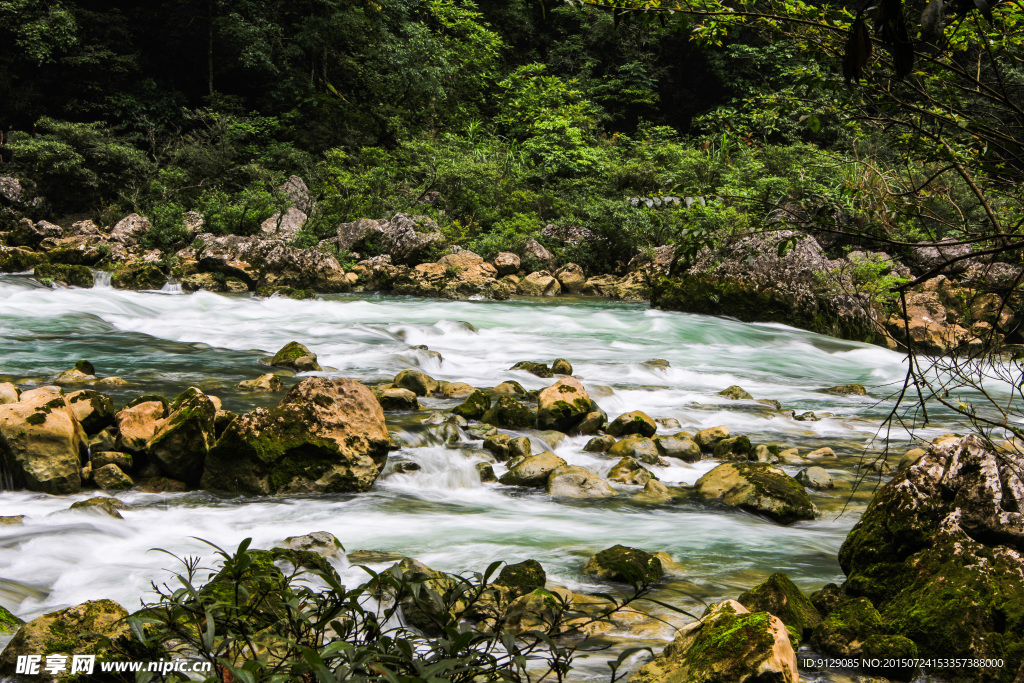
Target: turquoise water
{"points": [[441, 514]]}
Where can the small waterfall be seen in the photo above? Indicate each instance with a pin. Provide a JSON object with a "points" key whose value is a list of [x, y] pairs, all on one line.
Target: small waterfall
{"points": [[100, 279], [171, 287]]}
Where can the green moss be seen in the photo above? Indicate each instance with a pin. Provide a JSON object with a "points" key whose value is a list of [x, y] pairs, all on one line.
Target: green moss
{"points": [[849, 624], [622, 563], [522, 578], [732, 638], [508, 413], [290, 351], [146, 398], [18, 260], [538, 369], [75, 276], [36, 419], [780, 596], [474, 407], [8, 622], [138, 276]]}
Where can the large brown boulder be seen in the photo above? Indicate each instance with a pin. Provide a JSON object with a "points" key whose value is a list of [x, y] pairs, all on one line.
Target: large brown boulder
{"points": [[408, 240], [138, 422], [326, 436], [563, 405], [41, 442], [758, 488], [463, 275]]}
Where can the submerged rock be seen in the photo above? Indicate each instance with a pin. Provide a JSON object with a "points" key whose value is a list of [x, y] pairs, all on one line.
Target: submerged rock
{"points": [[264, 384], [736, 393], [539, 369], [815, 478], [100, 504], [729, 645], [325, 436], [758, 488]]}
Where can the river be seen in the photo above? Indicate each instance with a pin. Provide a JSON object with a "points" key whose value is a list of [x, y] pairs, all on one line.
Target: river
{"points": [[163, 342]]}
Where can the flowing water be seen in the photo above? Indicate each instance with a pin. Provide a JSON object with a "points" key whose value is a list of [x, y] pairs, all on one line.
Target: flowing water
{"points": [[441, 514]]}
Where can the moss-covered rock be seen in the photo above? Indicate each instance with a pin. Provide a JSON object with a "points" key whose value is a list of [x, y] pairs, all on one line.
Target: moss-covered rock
{"points": [[183, 439], [508, 413], [843, 632], [95, 411], [41, 442], [846, 390], [635, 422], [708, 438], [475, 406], [419, 383], [123, 460], [9, 624], [138, 276], [563, 405], [758, 488], [17, 260], [325, 436], [531, 470], [110, 477], [599, 444], [100, 505], [510, 387], [624, 564], [735, 393], [519, 447], [938, 553], [728, 645], [97, 627], [644, 450], [815, 478], [296, 357], [138, 421], [827, 598], [734, 448], [522, 578], [72, 276], [780, 596], [498, 446], [539, 369], [630, 471], [561, 367]]}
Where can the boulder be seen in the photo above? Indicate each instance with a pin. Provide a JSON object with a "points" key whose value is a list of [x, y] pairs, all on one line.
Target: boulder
{"points": [[9, 624], [571, 278], [268, 383], [498, 446], [17, 260], [462, 275], [322, 543], [138, 421], [910, 457], [927, 321], [284, 226], [641, 449], [599, 444], [707, 438], [41, 442], [679, 447], [735, 393], [624, 564], [183, 439], [474, 407], [843, 632], [539, 369], [30, 235], [561, 366], [96, 627], [522, 578], [938, 554], [635, 422], [67, 275], [540, 283], [519, 447], [729, 644], [269, 264], [630, 471], [296, 357], [138, 276], [419, 383], [112, 478], [781, 597], [508, 413], [408, 240], [506, 263], [657, 493], [758, 488], [570, 481], [563, 405], [733, 448], [130, 229], [815, 478], [454, 389], [325, 436], [819, 453], [532, 470], [397, 399], [82, 373], [535, 251], [846, 390], [95, 411], [122, 460]]}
